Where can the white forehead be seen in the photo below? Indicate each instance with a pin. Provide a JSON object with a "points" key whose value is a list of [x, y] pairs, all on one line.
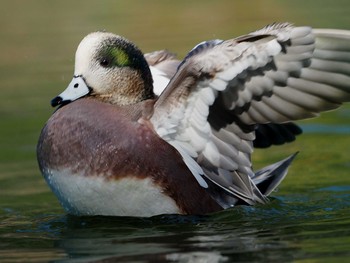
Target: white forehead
{"points": [[87, 48]]}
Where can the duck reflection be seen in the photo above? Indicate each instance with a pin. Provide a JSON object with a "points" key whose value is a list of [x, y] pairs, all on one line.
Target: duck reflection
{"points": [[224, 237]]}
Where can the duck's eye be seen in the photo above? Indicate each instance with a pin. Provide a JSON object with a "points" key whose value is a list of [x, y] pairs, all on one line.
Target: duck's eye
{"points": [[105, 62], [114, 57]]}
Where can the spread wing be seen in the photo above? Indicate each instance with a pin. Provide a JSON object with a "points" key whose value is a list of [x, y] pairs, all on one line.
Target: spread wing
{"points": [[163, 65], [222, 89]]}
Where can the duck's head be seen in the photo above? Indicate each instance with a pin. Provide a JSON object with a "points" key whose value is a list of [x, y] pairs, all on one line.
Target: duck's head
{"points": [[109, 68]]}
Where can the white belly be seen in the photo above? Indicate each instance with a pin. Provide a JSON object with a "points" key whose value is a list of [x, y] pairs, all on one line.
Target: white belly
{"points": [[80, 195]]}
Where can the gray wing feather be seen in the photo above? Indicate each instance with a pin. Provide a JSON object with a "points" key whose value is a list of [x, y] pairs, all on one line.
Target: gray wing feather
{"points": [[224, 89]]}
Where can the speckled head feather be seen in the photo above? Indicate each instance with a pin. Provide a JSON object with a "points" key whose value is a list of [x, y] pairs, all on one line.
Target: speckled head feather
{"points": [[114, 68]]}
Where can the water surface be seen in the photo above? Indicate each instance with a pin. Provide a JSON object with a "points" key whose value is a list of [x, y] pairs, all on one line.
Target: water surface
{"points": [[308, 219]]}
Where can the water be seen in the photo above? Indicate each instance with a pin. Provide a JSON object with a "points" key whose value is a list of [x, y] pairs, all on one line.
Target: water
{"points": [[293, 228], [308, 219]]}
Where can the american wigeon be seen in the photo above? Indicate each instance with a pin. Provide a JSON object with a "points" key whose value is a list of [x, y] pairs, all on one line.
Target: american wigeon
{"points": [[114, 147]]}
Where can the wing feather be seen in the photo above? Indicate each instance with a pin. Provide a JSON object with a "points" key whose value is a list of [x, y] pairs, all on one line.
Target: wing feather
{"points": [[224, 90], [163, 66]]}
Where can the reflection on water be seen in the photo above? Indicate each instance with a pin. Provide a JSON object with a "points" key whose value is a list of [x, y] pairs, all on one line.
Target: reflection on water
{"points": [[284, 231], [38, 39]]}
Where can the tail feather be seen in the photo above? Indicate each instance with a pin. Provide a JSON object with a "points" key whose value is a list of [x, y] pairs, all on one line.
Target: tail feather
{"points": [[261, 185], [269, 177]]}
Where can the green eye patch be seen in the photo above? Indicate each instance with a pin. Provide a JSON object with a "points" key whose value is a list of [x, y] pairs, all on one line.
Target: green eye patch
{"points": [[120, 56], [115, 56]]}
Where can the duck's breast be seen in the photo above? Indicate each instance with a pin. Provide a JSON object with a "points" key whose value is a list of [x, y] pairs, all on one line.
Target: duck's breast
{"points": [[99, 160]]}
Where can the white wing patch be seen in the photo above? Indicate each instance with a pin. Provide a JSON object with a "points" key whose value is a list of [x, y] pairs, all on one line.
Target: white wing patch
{"points": [[160, 80]]}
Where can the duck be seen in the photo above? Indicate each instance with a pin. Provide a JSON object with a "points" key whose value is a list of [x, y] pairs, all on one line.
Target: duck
{"points": [[142, 135]]}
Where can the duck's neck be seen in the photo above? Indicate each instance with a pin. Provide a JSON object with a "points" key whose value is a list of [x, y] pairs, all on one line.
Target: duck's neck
{"points": [[130, 96]]}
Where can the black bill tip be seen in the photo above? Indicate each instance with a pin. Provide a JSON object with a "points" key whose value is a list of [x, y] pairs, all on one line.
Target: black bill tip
{"points": [[56, 101]]}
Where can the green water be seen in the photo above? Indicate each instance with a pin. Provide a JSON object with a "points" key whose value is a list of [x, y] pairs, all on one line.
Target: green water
{"points": [[308, 219]]}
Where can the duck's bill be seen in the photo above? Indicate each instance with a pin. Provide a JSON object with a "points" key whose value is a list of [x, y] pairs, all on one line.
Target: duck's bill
{"points": [[76, 89]]}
